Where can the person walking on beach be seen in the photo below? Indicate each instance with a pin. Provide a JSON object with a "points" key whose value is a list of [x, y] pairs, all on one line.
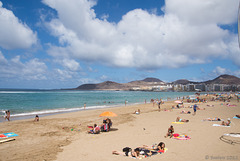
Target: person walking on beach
{"points": [[159, 105], [84, 106], [8, 115], [195, 109]]}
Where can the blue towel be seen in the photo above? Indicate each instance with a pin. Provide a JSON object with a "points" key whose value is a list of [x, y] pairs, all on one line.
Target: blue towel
{"points": [[235, 117], [10, 134]]}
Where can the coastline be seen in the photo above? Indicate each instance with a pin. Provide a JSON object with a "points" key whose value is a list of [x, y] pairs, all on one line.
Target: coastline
{"points": [[63, 136], [51, 107]]}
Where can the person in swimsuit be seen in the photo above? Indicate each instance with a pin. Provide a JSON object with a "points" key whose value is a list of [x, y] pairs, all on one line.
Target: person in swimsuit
{"points": [[226, 123], [212, 119], [178, 119], [170, 131], [160, 147], [128, 153]]}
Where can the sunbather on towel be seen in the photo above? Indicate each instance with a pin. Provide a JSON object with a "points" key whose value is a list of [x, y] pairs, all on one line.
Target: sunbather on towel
{"points": [[128, 152], [212, 119], [185, 112], [238, 116], [226, 123], [181, 120], [160, 147]]}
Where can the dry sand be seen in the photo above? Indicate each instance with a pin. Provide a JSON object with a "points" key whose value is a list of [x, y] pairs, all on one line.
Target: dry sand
{"points": [[63, 137]]}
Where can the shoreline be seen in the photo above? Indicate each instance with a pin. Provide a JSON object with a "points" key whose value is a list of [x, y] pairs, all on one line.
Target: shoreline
{"points": [[48, 112], [63, 136]]}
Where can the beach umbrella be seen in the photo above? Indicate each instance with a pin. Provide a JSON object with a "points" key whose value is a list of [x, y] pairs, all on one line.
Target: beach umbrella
{"points": [[178, 101], [108, 114]]}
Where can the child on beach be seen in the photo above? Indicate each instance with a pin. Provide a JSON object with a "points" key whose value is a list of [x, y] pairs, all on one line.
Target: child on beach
{"points": [[36, 118], [95, 129]]}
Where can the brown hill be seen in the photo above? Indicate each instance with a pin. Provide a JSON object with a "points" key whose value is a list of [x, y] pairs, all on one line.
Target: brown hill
{"points": [[183, 82], [108, 85], [151, 80], [224, 79]]}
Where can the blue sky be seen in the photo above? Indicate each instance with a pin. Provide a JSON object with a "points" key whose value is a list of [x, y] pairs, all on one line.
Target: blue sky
{"points": [[53, 44]]}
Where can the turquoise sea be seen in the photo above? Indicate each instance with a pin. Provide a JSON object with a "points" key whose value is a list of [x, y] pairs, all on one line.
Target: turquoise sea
{"points": [[23, 103]]}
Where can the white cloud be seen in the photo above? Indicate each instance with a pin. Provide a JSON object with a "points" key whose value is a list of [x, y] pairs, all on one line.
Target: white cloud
{"points": [[15, 68], [13, 33], [219, 71], [188, 33]]}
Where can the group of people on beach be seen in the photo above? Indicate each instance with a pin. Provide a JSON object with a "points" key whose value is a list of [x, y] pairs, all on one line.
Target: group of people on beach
{"points": [[104, 127], [143, 151]]}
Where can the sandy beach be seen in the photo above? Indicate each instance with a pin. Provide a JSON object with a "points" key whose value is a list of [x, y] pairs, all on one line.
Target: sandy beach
{"points": [[64, 137]]}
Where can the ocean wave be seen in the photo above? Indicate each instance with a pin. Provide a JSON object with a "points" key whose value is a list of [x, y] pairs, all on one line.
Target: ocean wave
{"points": [[53, 111]]}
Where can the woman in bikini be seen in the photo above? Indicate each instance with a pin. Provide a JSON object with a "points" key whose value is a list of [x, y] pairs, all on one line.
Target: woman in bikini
{"points": [[181, 120]]}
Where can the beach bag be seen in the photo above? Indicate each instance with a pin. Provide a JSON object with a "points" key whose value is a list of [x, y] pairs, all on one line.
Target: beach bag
{"points": [[126, 149]]}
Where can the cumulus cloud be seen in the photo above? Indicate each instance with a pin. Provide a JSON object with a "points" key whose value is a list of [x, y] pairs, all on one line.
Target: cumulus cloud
{"points": [[13, 33], [219, 71], [189, 32], [33, 69]]}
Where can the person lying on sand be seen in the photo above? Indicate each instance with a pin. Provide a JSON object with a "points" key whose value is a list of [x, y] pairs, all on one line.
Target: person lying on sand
{"points": [[238, 116], [226, 123], [185, 112], [95, 129], [128, 152], [178, 119], [160, 147], [170, 131], [212, 119], [210, 105]]}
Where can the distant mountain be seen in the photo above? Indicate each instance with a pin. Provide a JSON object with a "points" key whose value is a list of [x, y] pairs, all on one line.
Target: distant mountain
{"points": [[224, 79], [151, 80], [182, 81], [108, 85], [145, 82]]}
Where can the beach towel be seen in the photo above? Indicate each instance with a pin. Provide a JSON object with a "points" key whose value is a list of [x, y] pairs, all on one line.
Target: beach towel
{"points": [[237, 135], [235, 117], [231, 105], [178, 122], [10, 134], [220, 125], [182, 137], [2, 136]]}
